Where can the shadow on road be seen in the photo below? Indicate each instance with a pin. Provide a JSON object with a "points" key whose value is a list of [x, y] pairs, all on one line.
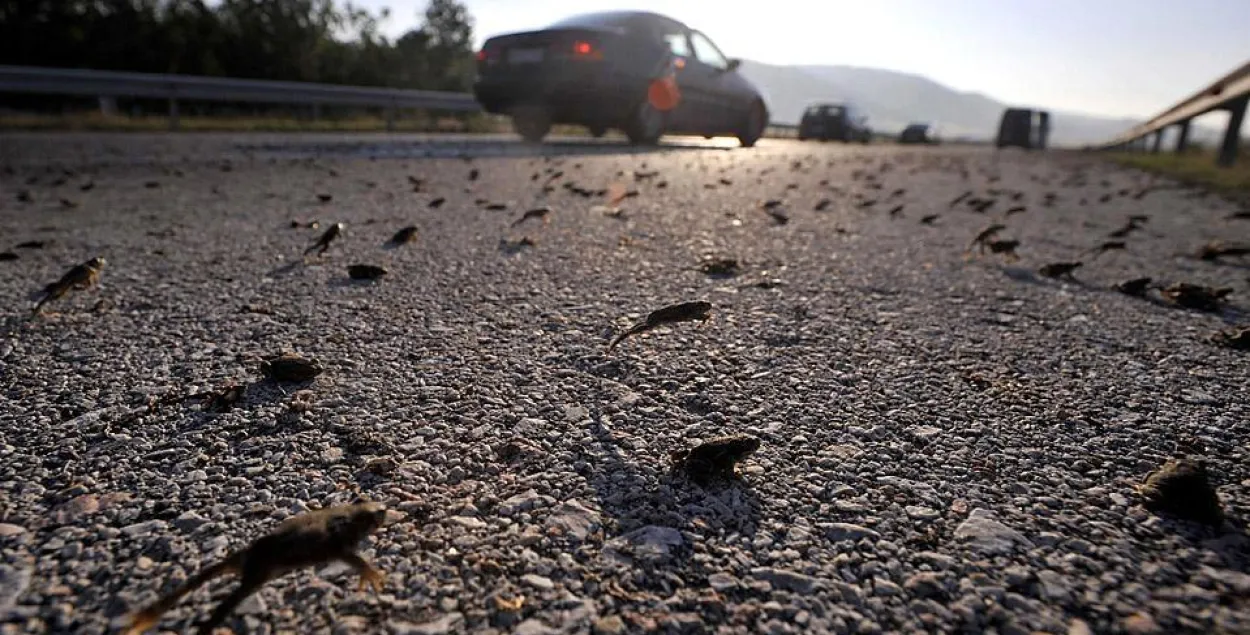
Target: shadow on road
{"points": [[635, 491], [1230, 314], [478, 146], [636, 495]]}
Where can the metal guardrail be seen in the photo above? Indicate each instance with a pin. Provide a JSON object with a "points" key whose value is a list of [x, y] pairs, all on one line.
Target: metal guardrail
{"points": [[111, 84], [1230, 92], [782, 130], [92, 83]]}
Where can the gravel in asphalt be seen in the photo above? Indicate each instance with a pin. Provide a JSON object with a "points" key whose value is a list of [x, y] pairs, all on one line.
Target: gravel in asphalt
{"points": [[950, 441]]}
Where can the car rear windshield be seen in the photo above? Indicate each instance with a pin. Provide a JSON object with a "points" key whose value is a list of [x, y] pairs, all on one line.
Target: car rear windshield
{"points": [[592, 19], [634, 23]]}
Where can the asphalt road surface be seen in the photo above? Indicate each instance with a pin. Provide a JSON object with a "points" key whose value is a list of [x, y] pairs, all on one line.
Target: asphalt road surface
{"points": [[951, 442]]}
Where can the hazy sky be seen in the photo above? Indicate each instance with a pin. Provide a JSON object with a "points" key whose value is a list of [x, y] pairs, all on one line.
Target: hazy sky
{"points": [[1110, 57]]}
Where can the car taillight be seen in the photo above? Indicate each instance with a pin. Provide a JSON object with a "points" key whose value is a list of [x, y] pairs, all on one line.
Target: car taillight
{"points": [[583, 50]]}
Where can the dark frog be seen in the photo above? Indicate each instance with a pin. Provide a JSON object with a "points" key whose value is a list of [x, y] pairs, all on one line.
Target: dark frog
{"points": [[716, 458], [1182, 488], [366, 272], [290, 367]]}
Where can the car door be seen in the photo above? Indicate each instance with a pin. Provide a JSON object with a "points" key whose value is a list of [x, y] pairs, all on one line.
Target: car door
{"points": [[848, 122], [717, 84], [686, 115]]}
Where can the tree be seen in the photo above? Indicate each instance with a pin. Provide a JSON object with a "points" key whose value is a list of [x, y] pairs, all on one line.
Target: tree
{"points": [[448, 26], [448, 30], [329, 41]]}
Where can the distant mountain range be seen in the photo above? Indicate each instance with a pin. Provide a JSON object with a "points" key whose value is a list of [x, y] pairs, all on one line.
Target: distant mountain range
{"points": [[892, 99]]}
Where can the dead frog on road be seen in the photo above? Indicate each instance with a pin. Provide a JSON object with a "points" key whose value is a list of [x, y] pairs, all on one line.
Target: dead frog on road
{"points": [[1182, 487], [1195, 296], [83, 276], [313, 538], [1237, 338], [290, 367], [1136, 287], [715, 459], [328, 237], [1060, 270], [672, 314]]}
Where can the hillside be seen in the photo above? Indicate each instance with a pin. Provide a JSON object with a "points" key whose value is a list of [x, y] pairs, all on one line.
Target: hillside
{"points": [[892, 100]]}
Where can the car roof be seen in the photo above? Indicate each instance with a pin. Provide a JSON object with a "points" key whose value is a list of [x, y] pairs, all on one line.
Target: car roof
{"points": [[647, 19]]}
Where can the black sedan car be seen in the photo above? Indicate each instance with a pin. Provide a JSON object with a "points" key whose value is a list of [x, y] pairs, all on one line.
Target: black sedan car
{"points": [[841, 122], [916, 133], [636, 71]]}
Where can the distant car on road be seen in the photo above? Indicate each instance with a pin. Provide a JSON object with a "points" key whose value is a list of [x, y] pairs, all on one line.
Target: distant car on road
{"points": [[841, 122], [618, 69], [1025, 128], [917, 133]]}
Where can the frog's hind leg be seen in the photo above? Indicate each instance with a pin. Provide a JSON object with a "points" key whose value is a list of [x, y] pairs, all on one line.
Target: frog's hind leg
{"points": [[247, 586]]}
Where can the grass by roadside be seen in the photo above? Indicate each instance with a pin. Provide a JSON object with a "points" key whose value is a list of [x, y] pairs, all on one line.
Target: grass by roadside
{"points": [[1197, 168]]}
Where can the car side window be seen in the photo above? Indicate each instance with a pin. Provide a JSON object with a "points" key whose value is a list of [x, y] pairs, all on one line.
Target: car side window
{"points": [[677, 44], [707, 52]]}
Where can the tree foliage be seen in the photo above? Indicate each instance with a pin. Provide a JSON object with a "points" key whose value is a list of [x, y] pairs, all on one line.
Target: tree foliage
{"points": [[295, 40]]}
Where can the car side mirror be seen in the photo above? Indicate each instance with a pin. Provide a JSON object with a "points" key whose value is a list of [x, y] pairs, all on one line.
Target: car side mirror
{"points": [[733, 65]]}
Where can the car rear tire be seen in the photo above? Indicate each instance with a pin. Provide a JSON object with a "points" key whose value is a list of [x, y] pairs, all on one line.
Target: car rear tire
{"points": [[646, 125], [754, 125], [532, 123]]}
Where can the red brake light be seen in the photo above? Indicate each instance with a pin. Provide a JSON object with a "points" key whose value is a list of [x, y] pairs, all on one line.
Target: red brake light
{"points": [[481, 55], [583, 48]]}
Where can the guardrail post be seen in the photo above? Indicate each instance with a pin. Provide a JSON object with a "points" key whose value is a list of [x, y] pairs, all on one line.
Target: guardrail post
{"points": [[1182, 136], [390, 119], [1232, 136], [173, 114], [108, 106]]}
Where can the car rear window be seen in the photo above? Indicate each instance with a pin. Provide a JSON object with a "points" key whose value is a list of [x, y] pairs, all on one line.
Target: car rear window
{"points": [[634, 23], [591, 19], [623, 22]]}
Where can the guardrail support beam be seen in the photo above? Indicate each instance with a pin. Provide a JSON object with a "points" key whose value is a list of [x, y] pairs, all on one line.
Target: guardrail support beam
{"points": [[1232, 136], [173, 114], [108, 106], [1182, 135]]}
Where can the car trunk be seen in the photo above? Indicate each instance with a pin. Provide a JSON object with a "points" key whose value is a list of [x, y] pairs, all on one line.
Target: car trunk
{"points": [[576, 51]]}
